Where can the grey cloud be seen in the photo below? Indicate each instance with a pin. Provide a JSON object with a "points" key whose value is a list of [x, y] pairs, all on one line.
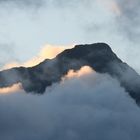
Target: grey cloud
{"points": [[5, 58], [129, 19], [90, 107], [23, 2]]}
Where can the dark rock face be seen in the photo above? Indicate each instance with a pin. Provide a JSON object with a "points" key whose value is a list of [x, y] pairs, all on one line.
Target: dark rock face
{"points": [[99, 56]]}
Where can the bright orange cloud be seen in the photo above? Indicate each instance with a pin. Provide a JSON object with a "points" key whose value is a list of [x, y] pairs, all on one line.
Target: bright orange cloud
{"points": [[85, 70], [47, 52], [12, 89]]}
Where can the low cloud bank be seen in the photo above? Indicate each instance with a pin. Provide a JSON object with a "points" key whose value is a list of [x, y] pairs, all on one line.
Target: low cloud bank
{"points": [[85, 105]]}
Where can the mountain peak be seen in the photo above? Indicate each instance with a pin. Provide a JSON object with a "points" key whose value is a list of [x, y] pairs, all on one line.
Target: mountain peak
{"points": [[100, 45], [98, 56], [83, 49]]}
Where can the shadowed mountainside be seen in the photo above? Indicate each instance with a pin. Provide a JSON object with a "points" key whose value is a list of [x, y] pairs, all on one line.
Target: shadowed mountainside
{"points": [[99, 56]]}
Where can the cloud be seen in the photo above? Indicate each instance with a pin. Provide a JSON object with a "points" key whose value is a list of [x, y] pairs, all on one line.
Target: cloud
{"points": [[23, 3], [85, 70], [46, 52], [8, 90], [129, 20], [112, 6], [90, 106], [63, 22]]}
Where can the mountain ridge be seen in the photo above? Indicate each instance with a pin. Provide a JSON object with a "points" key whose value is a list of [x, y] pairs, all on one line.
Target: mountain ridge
{"points": [[98, 56]]}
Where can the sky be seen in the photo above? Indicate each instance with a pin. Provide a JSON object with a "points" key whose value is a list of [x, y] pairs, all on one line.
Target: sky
{"points": [[100, 109], [26, 26]]}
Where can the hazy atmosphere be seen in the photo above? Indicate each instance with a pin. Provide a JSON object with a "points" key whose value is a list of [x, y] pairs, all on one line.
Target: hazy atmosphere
{"points": [[28, 25], [87, 92]]}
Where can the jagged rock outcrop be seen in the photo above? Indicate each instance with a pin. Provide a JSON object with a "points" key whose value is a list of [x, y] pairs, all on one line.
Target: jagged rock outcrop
{"points": [[99, 56]]}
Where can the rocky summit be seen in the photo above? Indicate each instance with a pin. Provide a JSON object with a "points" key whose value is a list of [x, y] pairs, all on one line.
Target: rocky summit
{"points": [[98, 56]]}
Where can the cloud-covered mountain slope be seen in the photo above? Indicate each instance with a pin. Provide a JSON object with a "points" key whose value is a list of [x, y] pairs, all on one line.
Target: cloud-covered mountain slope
{"points": [[98, 56]]}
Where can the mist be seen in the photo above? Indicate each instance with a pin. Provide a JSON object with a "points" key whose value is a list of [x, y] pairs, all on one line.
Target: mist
{"points": [[98, 109]]}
